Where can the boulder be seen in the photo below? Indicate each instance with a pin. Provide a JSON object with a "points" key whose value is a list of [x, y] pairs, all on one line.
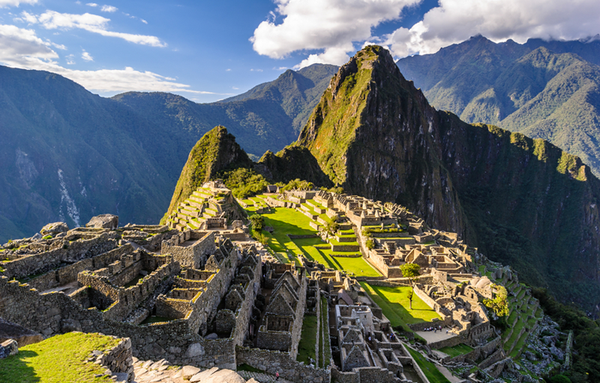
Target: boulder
{"points": [[22, 335], [8, 347], [104, 221], [214, 375], [188, 371], [54, 228]]}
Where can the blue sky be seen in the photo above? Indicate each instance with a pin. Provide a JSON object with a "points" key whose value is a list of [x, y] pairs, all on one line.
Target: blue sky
{"points": [[210, 50]]}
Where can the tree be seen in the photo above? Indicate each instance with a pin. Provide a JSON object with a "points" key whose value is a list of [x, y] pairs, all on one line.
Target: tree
{"points": [[409, 294], [332, 226], [370, 244], [261, 237], [498, 305], [257, 221], [410, 271]]}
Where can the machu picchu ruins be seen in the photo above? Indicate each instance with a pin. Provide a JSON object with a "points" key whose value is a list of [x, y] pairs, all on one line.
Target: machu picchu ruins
{"points": [[199, 291]]}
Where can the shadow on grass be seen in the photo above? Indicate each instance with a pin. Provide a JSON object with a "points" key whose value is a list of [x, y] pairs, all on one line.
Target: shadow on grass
{"points": [[15, 368], [399, 309], [328, 260], [285, 227]]}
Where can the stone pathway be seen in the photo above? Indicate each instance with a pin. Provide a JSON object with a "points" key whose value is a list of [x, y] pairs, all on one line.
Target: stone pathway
{"points": [[156, 372], [259, 377], [162, 372]]}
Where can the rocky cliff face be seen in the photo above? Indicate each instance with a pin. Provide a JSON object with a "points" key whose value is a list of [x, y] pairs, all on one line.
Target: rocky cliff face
{"points": [[374, 134], [522, 201], [215, 152]]}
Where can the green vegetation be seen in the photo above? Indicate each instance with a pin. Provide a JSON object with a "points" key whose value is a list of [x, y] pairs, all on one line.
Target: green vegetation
{"points": [[586, 361], [217, 151], [59, 359], [457, 350], [394, 302], [431, 372], [257, 221], [47, 236], [244, 182], [308, 340], [337, 116], [498, 305], [246, 367]]}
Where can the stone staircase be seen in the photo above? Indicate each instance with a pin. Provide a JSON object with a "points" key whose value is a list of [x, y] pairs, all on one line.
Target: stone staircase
{"points": [[193, 212]]}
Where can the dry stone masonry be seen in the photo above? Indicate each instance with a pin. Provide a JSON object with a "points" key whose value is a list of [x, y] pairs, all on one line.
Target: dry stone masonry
{"points": [[199, 292]]}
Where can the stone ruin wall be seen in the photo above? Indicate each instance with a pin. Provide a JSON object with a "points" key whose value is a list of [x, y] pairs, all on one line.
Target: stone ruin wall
{"points": [[281, 362], [68, 274], [244, 311], [177, 341], [190, 256], [48, 260], [205, 307], [125, 300], [174, 341]]}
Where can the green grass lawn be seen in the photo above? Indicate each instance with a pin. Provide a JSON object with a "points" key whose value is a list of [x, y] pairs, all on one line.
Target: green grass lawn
{"points": [[397, 300], [429, 369], [59, 359], [357, 265], [457, 350], [308, 339], [286, 221]]}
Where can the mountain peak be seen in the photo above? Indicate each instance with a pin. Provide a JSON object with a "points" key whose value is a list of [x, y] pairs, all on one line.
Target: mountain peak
{"points": [[215, 152]]}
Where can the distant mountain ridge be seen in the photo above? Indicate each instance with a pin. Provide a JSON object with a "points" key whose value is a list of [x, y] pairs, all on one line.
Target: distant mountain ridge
{"points": [[548, 90], [68, 154], [267, 117]]}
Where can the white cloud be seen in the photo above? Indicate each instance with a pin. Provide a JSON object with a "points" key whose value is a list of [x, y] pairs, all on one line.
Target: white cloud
{"points": [[92, 4], [86, 56], [329, 25], [15, 3], [108, 8], [21, 48], [143, 21], [499, 20], [91, 23]]}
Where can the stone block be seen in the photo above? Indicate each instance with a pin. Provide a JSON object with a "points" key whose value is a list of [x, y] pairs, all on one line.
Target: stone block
{"points": [[195, 349], [104, 221], [188, 371], [8, 348], [22, 335], [54, 228]]}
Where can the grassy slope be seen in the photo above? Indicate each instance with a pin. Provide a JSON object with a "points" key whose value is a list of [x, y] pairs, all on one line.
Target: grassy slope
{"points": [[396, 304], [308, 340], [429, 369], [59, 359], [341, 106]]}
